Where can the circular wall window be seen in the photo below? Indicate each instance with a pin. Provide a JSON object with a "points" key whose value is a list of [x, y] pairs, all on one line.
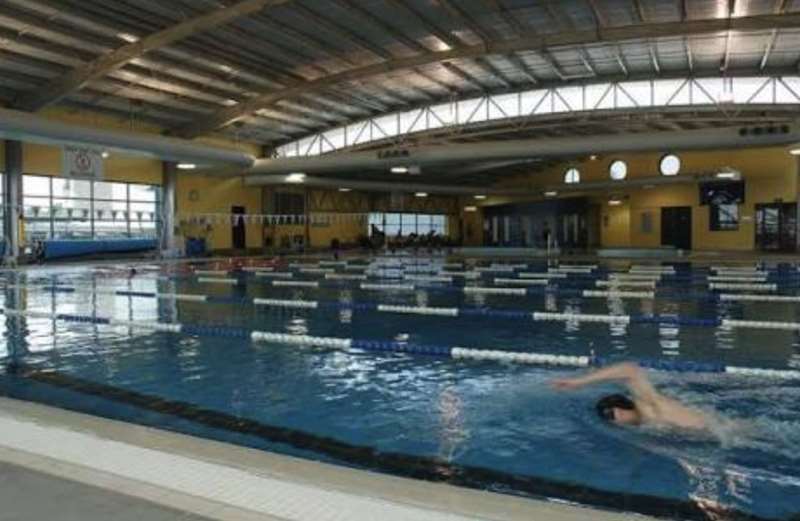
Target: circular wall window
{"points": [[618, 170], [670, 165], [572, 176]]}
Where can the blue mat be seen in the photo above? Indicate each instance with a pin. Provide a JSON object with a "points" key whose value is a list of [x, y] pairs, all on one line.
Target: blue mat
{"points": [[56, 249]]}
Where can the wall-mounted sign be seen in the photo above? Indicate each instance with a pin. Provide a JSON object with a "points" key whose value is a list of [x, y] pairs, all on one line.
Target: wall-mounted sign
{"points": [[83, 163]]}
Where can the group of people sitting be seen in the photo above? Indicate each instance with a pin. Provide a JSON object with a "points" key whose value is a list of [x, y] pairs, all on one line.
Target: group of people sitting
{"points": [[430, 241]]}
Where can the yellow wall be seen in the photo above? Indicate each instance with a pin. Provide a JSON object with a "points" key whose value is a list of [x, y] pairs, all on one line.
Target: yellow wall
{"points": [[216, 195], [770, 174]]}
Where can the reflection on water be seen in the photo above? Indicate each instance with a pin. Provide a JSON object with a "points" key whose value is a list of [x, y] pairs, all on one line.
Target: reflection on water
{"points": [[502, 417], [453, 434]]}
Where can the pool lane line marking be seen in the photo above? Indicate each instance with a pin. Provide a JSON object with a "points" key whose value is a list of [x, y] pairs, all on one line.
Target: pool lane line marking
{"points": [[212, 280], [539, 316], [742, 287], [414, 349], [522, 282], [757, 298], [296, 283], [455, 312], [212, 273], [625, 283]]}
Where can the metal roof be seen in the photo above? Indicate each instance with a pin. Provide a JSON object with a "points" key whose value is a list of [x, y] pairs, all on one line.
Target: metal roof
{"points": [[272, 71]]}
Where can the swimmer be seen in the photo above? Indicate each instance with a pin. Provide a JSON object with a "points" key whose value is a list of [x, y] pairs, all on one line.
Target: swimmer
{"points": [[646, 407]]}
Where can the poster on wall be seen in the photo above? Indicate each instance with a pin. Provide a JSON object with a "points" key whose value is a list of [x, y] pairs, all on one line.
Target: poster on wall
{"points": [[82, 163]]}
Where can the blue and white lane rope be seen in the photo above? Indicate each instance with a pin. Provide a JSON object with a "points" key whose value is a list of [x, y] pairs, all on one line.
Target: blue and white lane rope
{"points": [[456, 312], [456, 353]]}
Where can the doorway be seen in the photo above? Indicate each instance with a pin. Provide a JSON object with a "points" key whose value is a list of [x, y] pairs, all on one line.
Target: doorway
{"points": [[776, 226], [238, 233], [676, 227]]}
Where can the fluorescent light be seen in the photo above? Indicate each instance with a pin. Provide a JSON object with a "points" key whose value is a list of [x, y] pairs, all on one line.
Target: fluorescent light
{"points": [[421, 194], [127, 37], [550, 193], [186, 166], [105, 154], [399, 170], [470, 208], [795, 151], [728, 173], [480, 197], [614, 202], [345, 189], [297, 177]]}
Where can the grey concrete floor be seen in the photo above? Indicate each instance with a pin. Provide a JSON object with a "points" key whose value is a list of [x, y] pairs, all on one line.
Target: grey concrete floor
{"points": [[27, 495]]}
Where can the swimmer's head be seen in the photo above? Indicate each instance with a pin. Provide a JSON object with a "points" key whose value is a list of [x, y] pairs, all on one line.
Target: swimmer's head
{"points": [[619, 409]]}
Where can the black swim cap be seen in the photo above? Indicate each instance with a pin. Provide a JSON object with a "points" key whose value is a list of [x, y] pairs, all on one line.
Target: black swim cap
{"points": [[607, 404]]}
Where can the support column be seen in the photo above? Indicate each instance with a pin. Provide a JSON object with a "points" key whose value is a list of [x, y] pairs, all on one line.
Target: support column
{"points": [[797, 208], [169, 181], [12, 200]]}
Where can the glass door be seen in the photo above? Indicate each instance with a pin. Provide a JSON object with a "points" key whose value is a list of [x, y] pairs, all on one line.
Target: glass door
{"points": [[776, 226]]}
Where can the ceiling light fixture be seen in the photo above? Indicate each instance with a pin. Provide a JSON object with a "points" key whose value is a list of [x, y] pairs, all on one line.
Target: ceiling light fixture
{"points": [[345, 190], [795, 151], [614, 202], [105, 154], [399, 170], [470, 208], [296, 177], [186, 166], [480, 197], [128, 37], [550, 193], [421, 194]]}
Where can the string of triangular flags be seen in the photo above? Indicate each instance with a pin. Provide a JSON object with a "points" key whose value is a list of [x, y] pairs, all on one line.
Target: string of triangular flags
{"points": [[314, 219]]}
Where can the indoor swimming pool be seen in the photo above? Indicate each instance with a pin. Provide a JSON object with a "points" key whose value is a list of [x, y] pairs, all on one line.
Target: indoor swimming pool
{"points": [[438, 369]]}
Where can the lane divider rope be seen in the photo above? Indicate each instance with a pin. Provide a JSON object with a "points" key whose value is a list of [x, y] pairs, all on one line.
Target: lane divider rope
{"points": [[457, 353]]}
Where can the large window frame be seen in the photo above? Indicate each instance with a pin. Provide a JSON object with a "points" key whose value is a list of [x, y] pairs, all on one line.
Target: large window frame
{"points": [[64, 208], [392, 223], [722, 94]]}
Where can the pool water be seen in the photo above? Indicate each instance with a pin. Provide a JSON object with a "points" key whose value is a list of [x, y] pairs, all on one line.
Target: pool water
{"points": [[483, 424]]}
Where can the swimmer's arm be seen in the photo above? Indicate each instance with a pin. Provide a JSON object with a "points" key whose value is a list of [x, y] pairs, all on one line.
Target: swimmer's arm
{"points": [[631, 375]]}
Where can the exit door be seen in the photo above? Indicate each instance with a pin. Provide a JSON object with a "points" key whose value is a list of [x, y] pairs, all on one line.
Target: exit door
{"points": [[676, 227], [238, 236], [776, 226]]}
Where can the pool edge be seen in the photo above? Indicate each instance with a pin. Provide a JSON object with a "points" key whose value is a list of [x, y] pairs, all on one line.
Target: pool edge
{"points": [[404, 492]]}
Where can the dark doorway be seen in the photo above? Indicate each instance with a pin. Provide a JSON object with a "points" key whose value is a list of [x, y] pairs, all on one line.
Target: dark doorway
{"points": [[776, 226], [676, 227], [239, 238]]}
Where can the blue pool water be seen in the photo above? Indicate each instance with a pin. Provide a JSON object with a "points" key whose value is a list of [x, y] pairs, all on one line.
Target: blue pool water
{"points": [[479, 420]]}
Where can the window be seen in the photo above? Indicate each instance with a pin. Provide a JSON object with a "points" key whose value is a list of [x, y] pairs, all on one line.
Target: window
{"points": [[288, 203], [62, 208], [404, 224], [724, 217], [669, 165], [572, 176], [618, 170]]}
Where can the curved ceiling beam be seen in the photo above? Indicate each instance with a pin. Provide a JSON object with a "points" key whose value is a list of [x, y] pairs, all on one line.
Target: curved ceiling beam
{"points": [[647, 31], [428, 155], [77, 78]]}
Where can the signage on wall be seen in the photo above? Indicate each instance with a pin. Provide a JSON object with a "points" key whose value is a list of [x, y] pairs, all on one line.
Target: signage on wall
{"points": [[83, 163]]}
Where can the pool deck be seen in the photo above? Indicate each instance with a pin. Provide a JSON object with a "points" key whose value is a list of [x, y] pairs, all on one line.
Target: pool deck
{"points": [[89, 468]]}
